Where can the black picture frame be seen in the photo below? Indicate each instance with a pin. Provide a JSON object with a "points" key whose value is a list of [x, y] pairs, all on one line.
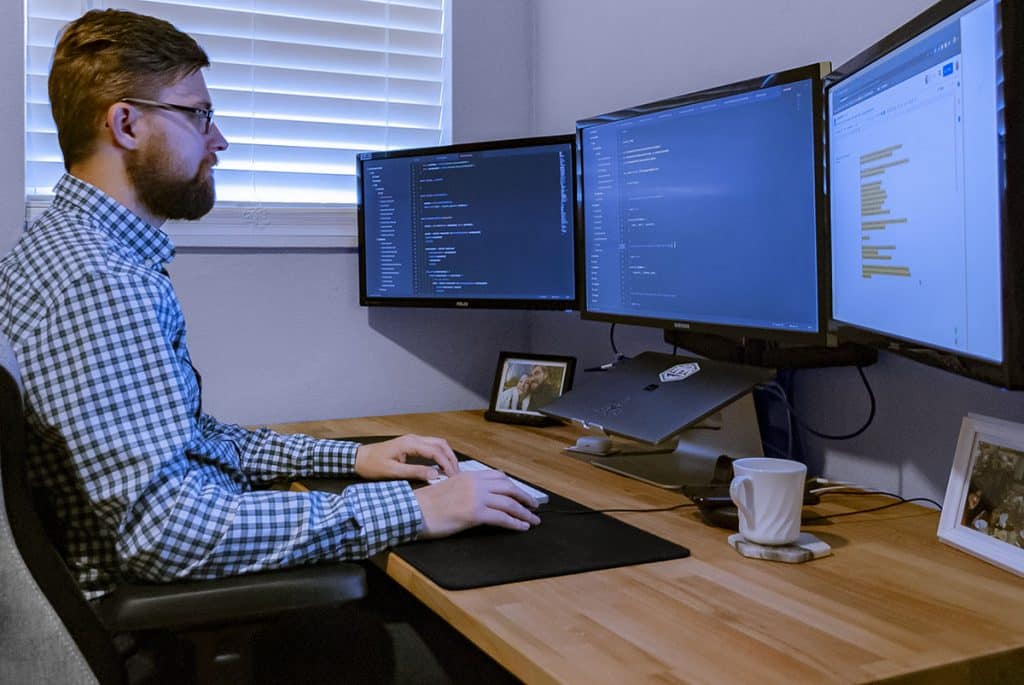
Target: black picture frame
{"points": [[524, 382]]}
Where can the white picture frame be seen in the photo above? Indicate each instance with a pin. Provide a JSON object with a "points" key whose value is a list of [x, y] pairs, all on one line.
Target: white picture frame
{"points": [[983, 511]]}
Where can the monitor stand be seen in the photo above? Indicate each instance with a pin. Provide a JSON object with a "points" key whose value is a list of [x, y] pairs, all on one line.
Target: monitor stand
{"points": [[732, 432]]}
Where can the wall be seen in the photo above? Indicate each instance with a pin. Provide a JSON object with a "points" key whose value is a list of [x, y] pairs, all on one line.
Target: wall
{"points": [[594, 56], [12, 126], [279, 335]]}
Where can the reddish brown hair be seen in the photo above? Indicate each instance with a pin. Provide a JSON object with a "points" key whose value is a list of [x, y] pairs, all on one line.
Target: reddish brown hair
{"points": [[106, 55]]}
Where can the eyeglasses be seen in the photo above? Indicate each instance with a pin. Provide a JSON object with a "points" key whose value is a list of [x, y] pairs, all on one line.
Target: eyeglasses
{"points": [[203, 116]]}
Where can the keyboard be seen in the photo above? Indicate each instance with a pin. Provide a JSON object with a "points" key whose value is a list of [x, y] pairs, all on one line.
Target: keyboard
{"points": [[474, 465]]}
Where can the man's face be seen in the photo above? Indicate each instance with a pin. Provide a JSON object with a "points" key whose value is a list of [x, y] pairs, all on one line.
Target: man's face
{"points": [[537, 377], [172, 169]]}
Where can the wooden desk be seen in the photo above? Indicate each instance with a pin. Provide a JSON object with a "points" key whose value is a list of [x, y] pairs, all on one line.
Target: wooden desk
{"points": [[891, 603]]}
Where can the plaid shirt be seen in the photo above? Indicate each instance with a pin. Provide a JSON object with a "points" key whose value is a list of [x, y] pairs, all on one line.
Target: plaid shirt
{"points": [[145, 485]]}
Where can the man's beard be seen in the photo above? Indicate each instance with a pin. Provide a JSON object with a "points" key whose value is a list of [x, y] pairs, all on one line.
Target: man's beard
{"points": [[162, 191]]}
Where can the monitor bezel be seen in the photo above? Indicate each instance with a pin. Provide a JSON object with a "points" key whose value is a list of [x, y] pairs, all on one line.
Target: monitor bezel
{"points": [[816, 73], [1010, 372], [562, 304]]}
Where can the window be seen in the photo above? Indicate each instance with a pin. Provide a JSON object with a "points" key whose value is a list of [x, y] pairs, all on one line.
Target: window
{"points": [[299, 86]]}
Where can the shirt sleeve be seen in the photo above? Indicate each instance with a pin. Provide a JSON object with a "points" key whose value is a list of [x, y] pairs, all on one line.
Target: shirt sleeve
{"points": [[266, 455], [119, 391]]}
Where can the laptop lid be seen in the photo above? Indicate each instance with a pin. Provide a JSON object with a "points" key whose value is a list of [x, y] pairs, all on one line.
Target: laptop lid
{"points": [[638, 399]]}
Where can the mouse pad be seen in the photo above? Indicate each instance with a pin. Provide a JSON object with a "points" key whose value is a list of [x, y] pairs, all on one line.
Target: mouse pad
{"points": [[570, 539]]}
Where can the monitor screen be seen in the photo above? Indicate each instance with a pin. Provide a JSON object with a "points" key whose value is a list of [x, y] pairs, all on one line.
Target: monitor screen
{"points": [[917, 175], [704, 212], [473, 225]]}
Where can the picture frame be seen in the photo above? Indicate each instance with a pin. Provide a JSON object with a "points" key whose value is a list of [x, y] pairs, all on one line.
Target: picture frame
{"points": [[524, 382], [983, 511]]}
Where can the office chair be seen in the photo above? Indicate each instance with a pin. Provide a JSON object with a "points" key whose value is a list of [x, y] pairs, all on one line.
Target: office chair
{"points": [[49, 632]]}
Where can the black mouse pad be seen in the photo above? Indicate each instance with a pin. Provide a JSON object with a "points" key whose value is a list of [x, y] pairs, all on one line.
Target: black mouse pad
{"points": [[570, 539]]}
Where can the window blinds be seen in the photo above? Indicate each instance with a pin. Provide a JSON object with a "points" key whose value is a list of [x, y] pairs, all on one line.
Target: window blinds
{"points": [[299, 87]]}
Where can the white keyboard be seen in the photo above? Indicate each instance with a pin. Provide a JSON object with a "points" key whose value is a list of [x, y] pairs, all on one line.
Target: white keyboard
{"points": [[474, 465]]}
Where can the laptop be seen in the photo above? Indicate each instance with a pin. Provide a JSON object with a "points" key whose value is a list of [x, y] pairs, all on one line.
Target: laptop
{"points": [[654, 396]]}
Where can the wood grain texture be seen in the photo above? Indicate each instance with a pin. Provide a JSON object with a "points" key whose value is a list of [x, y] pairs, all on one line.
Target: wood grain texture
{"points": [[890, 604]]}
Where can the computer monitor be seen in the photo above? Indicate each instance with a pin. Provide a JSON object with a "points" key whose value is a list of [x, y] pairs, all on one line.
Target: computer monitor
{"points": [[925, 162], [705, 212], [487, 224]]}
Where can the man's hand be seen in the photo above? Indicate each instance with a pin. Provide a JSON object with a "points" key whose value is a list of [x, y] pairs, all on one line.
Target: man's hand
{"points": [[386, 460], [472, 498]]}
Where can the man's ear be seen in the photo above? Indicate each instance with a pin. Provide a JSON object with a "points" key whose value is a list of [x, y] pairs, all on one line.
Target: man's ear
{"points": [[123, 123]]}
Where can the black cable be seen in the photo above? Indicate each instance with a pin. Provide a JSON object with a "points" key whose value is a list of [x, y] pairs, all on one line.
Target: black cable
{"points": [[901, 498], [566, 512], [824, 517], [781, 394], [618, 356]]}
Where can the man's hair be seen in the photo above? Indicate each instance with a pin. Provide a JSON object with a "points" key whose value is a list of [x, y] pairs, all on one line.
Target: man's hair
{"points": [[106, 55]]}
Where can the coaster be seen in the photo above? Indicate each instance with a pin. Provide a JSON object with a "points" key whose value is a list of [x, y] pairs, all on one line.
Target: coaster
{"points": [[805, 548]]}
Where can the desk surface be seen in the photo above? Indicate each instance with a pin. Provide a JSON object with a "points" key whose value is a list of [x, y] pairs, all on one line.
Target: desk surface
{"points": [[890, 603]]}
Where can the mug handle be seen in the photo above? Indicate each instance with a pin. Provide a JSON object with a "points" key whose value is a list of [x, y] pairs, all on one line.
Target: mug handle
{"points": [[739, 492]]}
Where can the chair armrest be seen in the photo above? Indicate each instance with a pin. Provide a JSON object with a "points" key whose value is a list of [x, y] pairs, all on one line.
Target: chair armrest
{"points": [[191, 604]]}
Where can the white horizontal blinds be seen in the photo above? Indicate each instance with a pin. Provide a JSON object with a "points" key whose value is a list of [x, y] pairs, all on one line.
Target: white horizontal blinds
{"points": [[301, 86], [43, 161]]}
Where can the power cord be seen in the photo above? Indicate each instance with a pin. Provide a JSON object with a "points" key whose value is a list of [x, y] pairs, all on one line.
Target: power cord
{"points": [[567, 512], [832, 490], [779, 392], [844, 489], [615, 350]]}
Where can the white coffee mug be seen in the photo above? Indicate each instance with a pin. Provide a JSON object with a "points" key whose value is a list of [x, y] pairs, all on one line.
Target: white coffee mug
{"points": [[769, 494]]}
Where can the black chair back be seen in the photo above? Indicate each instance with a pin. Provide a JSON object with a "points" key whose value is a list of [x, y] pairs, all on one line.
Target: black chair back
{"points": [[48, 585]]}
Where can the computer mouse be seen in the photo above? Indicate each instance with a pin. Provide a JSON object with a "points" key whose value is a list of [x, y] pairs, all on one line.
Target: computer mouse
{"points": [[595, 444]]}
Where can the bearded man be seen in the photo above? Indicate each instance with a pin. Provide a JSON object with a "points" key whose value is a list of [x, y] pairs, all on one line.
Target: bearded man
{"points": [[145, 485]]}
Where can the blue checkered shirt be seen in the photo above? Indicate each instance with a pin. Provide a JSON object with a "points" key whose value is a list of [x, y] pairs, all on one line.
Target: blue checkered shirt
{"points": [[146, 486]]}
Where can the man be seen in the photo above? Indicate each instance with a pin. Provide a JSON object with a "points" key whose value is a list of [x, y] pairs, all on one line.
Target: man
{"points": [[541, 392], [146, 485]]}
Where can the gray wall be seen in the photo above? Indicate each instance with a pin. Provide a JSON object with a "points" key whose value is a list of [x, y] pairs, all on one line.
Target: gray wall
{"points": [[280, 335], [12, 126], [594, 56]]}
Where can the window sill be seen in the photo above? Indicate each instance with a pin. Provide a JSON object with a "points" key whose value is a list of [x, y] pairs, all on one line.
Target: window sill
{"points": [[240, 226]]}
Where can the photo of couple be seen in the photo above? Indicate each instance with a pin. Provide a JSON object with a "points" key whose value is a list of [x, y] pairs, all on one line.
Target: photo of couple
{"points": [[529, 385]]}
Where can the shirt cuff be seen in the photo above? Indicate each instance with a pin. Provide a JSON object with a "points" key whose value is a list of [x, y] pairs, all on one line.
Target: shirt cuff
{"points": [[387, 512], [334, 457]]}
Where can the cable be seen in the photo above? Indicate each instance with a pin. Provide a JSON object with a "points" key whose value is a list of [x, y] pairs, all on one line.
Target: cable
{"points": [[806, 519], [781, 394], [618, 356], [566, 512], [900, 500]]}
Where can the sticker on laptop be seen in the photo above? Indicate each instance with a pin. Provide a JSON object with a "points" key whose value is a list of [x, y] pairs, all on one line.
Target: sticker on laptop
{"points": [[679, 372]]}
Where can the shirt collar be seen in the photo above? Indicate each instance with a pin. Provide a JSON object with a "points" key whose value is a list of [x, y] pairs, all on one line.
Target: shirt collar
{"points": [[146, 242]]}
